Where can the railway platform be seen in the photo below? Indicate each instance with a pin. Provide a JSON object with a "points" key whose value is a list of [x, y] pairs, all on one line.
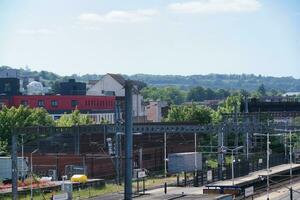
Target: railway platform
{"points": [[256, 179]]}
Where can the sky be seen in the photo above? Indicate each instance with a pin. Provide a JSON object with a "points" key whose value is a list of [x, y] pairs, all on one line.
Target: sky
{"points": [[180, 37]]}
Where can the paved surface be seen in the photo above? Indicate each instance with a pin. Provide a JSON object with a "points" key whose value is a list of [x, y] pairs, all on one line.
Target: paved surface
{"points": [[173, 193], [255, 175]]}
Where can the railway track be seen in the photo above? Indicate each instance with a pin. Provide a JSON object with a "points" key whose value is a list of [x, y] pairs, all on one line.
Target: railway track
{"points": [[275, 185]]}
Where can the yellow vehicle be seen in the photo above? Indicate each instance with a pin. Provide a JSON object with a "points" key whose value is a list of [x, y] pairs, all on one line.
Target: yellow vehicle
{"points": [[79, 178]]}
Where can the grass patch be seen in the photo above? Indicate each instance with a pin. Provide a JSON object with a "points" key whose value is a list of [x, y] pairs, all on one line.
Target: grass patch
{"points": [[92, 192]]}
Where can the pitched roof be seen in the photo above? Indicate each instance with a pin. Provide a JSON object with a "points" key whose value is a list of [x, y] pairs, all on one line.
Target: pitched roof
{"points": [[119, 78]]}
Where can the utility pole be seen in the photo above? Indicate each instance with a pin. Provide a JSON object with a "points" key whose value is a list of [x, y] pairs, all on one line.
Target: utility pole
{"points": [[165, 160], [14, 170], [268, 160], [291, 167], [117, 143], [196, 161], [22, 174], [128, 141]]}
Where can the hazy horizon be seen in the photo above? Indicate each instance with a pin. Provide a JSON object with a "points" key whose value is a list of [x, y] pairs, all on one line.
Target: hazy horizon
{"points": [[29, 68]]}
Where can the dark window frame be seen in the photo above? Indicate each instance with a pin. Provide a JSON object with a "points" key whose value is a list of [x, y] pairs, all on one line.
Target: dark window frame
{"points": [[54, 103], [74, 103], [41, 103]]}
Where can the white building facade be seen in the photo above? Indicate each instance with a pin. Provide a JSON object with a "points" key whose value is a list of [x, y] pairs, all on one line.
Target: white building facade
{"points": [[113, 84]]}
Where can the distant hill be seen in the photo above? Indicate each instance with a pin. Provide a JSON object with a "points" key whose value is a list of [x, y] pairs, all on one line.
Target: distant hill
{"points": [[248, 82]]}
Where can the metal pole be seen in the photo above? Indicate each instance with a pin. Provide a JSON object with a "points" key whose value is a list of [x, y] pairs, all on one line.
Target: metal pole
{"points": [[31, 177], [22, 173], [232, 167], [291, 167], [128, 140], [117, 142], [247, 143], [268, 160], [14, 170], [195, 162], [165, 160], [141, 158], [31, 174], [285, 146], [195, 140]]}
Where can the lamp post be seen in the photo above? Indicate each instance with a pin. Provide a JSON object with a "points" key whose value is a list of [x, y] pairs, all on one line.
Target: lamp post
{"points": [[268, 135], [31, 174], [22, 165], [232, 160]]}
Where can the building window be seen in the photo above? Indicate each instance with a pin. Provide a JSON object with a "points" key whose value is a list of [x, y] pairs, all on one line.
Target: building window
{"points": [[24, 102], [54, 103], [7, 87], [74, 103], [41, 103]]}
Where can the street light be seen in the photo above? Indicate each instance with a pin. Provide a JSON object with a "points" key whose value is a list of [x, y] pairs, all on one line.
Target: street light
{"points": [[268, 156], [232, 159], [31, 174]]}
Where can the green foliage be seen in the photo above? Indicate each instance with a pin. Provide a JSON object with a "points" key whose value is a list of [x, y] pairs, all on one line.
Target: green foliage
{"points": [[249, 82], [297, 121], [262, 90], [172, 95], [190, 113], [3, 148], [21, 117], [201, 94], [74, 119], [231, 104]]}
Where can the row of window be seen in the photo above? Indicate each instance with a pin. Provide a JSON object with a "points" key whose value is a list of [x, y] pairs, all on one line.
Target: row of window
{"points": [[54, 103], [98, 103], [74, 103]]}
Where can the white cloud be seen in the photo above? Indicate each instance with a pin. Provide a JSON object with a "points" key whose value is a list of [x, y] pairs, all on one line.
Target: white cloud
{"points": [[215, 6], [119, 16], [41, 31]]}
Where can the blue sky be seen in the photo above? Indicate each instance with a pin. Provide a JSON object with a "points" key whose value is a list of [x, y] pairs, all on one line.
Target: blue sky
{"points": [[152, 36]]}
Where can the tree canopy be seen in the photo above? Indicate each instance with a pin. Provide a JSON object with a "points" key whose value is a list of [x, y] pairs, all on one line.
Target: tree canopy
{"points": [[190, 113], [20, 117], [74, 119]]}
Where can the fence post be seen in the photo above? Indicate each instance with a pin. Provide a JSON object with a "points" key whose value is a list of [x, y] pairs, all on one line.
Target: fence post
{"points": [[185, 179]]}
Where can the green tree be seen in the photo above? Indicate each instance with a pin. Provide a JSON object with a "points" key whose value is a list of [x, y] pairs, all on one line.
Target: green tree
{"points": [[190, 113], [173, 95], [262, 90], [21, 117], [222, 94], [196, 94], [231, 104], [210, 94], [74, 119]]}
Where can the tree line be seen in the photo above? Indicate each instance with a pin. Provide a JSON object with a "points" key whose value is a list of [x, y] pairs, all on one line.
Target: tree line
{"points": [[248, 82], [176, 95], [23, 116]]}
